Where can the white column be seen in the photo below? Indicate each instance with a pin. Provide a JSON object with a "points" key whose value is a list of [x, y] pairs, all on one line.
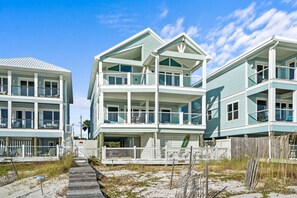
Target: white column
{"points": [[129, 107], [61, 86], [181, 117], [100, 73], [271, 103], [36, 84], [190, 113], [157, 90], [36, 115], [129, 78], [9, 107], [101, 108], [204, 74], [246, 74], [272, 63], [181, 76], [147, 111], [61, 122], [203, 108], [295, 106], [9, 83]]}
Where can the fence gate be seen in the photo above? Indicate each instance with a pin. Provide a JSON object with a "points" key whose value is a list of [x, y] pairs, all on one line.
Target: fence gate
{"points": [[86, 148]]}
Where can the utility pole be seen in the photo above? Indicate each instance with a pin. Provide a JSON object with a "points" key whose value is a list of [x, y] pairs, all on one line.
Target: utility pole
{"points": [[80, 123]]}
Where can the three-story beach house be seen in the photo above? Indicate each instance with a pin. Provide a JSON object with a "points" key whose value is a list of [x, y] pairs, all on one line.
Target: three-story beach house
{"points": [[142, 93], [34, 103], [256, 93]]}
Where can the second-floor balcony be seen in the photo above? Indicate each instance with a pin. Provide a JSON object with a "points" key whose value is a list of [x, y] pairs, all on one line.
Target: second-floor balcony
{"points": [[282, 72], [282, 115], [165, 78], [177, 118], [30, 91]]}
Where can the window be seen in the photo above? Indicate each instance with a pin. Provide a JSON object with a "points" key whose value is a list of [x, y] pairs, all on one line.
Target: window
{"points": [[51, 88], [122, 68], [209, 116], [27, 88], [169, 62], [3, 85], [169, 79], [292, 70], [232, 111]]}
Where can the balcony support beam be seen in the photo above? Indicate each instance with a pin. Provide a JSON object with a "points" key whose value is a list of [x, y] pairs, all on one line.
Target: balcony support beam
{"points": [[203, 108], [35, 115], [272, 63], [9, 82], [101, 108], [190, 112], [36, 84], [129, 107], [204, 74], [61, 86], [147, 111], [61, 121], [9, 110], [295, 106], [157, 91], [271, 104]]}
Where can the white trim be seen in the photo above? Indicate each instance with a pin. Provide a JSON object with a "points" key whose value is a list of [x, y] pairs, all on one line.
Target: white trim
{"points": [[235, 101]]}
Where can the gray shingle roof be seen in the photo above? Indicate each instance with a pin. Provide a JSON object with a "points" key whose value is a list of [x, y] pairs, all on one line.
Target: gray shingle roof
{"points": [[32, 63]]}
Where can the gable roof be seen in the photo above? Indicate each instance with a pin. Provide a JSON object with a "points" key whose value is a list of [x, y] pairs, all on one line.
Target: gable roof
{"points": [[32, 63], [123, 43]]}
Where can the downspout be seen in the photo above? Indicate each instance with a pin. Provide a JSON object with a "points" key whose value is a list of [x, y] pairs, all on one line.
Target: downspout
{"points": [[269, 124]]}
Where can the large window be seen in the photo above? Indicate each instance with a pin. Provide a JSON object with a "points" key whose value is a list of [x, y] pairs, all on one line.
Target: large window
{"points": [[51, 117], [51, 88], [170, 62], [27, 88], [3, 118], [169, 79], [232, 111], [3, 85]]}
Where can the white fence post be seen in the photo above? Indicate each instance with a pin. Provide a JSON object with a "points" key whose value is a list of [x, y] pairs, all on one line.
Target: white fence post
{"points": [[23, 151], [134, 152], [58, 150]]}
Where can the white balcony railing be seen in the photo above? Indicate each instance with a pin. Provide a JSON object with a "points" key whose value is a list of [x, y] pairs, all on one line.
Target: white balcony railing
{"points": [[149, 118], [177, 80]]}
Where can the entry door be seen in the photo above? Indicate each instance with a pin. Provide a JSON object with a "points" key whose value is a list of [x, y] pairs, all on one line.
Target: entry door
{"points": [[18, 119], [165, 117], [262, 75], [113, 114], [292, 71]]}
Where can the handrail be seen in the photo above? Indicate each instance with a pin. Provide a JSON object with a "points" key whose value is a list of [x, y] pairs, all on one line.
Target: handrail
{"points": [[265, 110], [258, 72]]}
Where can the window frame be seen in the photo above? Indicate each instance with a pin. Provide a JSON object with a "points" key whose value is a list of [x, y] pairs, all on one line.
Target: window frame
{"points": [[232, 111]]}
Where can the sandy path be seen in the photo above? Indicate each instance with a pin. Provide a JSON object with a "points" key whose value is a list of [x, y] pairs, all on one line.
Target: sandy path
{"points": [[29, 187]]}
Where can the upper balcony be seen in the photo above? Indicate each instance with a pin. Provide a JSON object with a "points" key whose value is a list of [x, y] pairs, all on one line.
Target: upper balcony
{"points": [[262, 74], [168, 82]]}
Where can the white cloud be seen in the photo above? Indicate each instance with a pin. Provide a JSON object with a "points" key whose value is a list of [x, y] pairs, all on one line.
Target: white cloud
{"points": [[291, 2], [164, 12], [169, 31], [246, 28], [120, 21]]}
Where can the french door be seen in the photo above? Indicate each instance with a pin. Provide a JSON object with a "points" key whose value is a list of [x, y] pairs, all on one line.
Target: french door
{"points": [[27, 88]]}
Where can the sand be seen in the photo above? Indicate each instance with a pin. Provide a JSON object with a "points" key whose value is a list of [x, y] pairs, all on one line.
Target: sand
{"points": [[29, 187]]}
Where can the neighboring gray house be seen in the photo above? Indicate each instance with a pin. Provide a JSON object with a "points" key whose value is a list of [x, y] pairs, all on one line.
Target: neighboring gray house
{"points": [[256, 93], [34, 102]]}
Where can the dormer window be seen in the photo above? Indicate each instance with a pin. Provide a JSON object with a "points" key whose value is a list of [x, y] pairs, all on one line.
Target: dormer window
{"points": [[122, 68], [170, 62]]}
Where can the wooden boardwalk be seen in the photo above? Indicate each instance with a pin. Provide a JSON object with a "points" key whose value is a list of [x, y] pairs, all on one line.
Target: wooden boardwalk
{"points": [[83, 181]]}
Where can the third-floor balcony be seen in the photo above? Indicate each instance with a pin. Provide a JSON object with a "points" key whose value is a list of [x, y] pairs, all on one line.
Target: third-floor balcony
{"points": [[262, 75], [165, 79]]}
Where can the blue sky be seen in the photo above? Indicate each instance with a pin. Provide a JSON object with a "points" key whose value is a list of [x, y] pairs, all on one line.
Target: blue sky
{"points": [[70, 33]]}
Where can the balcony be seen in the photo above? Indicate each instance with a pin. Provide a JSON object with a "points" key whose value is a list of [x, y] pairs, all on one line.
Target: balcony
{"points": [[49, 124], [281, 115], [30, 91], [3, 123], [166, 79], [148, 118], [22, 123], [282, 72], [48, 92]]}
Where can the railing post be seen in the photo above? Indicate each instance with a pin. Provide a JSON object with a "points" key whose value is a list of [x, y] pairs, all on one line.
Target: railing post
{"points": [[181, 117], [58, 151], [134, 152], [129, 78], [104, 152], [23, 151], [181, 76]]}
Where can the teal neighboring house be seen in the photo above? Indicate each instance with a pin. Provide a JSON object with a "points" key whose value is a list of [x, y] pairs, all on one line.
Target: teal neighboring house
{"points": [[256, 93], [142, 96], [34, 104]]}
